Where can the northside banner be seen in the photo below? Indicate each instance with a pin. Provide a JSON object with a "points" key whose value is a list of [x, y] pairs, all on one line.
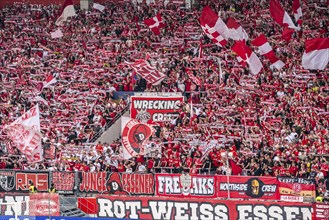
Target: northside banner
{"points": [[201, 208], [185, 185], [247, 187], [153, 109], [296, 189]]}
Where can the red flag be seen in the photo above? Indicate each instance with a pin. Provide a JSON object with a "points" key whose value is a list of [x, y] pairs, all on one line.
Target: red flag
{"points": [[214, 27], [316, 55], [236, 30], [297, 11], [146, 71], [280, 15], [155, 24], [246, 54], [236, 169], [287, 34], [266, 50]]}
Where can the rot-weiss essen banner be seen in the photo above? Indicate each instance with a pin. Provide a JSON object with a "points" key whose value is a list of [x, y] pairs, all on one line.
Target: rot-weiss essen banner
{"points": [[42, 204], [247, 187], [201, 208], [134, 134], [154, 109], [185, 185]]}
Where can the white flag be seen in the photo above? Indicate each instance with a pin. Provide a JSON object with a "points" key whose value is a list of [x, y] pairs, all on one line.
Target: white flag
{"points": [[99, 7], [57, 34]]}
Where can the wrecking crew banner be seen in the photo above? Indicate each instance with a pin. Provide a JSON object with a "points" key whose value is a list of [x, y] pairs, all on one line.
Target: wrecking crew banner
{"points": [[153, 109], [181, 208], [247, 187]]}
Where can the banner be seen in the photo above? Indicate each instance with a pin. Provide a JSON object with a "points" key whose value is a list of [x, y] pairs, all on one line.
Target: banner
{"points": [[134, 134], [247, 187], [116, 183], [18, 181], [64, 182], [296, 189], [146, 71], [7, 203], [24, 132], [156, 108], [201, 208], [50, 152], [321, 211], [44, 203], [185, 185]]}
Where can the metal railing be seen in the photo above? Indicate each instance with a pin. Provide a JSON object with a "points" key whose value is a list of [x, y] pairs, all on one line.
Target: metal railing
{"points": [[108, 125]]}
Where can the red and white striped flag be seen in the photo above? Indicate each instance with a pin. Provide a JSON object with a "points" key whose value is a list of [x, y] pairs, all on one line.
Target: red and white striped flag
{"points": [[145, 70], [266, 50], [214, 27], [66, 12], [246, 54], [236, 30], [297, 9], [155, 24], [316, 55], [49, 81], [280, 15]]}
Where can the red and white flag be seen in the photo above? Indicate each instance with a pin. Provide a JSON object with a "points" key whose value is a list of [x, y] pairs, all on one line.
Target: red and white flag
{"points": [[25, 134], [214, 26], [297, 9], [280, 15], [49, 81], [194, 79], [134, 134], [266, 50], [236, 30], [246, 54], [155, 24], [316, 55], [145, 70], [66, 12]]}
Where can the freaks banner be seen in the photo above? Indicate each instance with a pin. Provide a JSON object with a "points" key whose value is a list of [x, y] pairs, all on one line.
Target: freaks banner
{"points": [[185, 185]]}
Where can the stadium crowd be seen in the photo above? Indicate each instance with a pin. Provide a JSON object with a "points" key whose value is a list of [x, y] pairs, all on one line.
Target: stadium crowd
{"points": [[274, 123]]}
